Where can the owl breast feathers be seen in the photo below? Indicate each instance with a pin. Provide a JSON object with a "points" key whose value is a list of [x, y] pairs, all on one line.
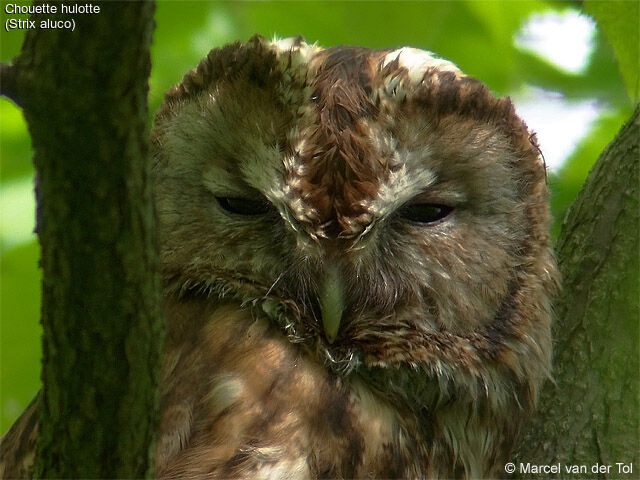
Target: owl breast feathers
{"points": [[357, 267]]}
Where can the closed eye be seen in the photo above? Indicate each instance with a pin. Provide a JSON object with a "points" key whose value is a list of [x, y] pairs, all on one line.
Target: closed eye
{"points": [[244, 206], [426, 213]]}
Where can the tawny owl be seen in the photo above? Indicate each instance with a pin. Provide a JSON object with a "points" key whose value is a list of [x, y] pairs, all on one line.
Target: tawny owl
{"points": [[357, 267]]}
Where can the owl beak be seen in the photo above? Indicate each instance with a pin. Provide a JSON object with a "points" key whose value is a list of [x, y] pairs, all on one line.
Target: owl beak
{"points": [[331, 302]]}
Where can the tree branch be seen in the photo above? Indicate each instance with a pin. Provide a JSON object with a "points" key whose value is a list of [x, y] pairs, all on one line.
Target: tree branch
{"points": [[84, 97], [589, 416]]}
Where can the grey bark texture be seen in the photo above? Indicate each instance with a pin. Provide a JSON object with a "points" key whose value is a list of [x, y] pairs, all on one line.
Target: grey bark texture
{"points": [[84, 96], [589, 415]]}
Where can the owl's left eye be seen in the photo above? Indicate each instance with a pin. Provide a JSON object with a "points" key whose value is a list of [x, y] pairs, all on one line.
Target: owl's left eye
{"points": [[425, 212], [244, 206]]}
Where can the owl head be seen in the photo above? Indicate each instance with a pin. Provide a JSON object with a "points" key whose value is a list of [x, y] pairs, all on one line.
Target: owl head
{"points": [[385, 210]]}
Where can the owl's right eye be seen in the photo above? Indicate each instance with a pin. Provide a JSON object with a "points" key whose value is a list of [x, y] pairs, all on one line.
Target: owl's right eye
{"points": [[426, 213], [244, 206]]}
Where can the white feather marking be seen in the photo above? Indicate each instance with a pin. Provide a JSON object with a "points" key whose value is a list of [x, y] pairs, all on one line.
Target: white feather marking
{"points": [[285, 44], [417, 61], [226, 391]]}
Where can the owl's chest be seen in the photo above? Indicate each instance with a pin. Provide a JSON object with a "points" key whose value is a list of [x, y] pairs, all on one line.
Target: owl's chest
{"points": [[239, 401]]}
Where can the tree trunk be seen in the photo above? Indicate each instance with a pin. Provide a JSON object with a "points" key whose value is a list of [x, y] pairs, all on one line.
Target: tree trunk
{"points": [[589, 416], [84, 96]]}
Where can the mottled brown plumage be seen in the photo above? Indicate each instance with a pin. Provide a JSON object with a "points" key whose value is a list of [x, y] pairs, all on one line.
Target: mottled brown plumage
{"points": [[357, 267]]}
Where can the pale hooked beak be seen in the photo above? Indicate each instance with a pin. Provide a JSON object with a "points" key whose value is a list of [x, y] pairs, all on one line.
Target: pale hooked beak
{"points": [[331, 298]]}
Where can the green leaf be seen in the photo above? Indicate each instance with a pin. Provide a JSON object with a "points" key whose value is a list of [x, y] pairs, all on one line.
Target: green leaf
{"points": [[619, 21], [21, 331]]}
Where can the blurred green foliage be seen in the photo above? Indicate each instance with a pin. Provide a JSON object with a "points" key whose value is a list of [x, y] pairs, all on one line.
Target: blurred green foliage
{"points": [[476, 35], [619, 22]]}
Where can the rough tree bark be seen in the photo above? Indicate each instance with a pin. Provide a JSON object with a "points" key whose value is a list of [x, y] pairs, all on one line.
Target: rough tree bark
{"points": [[84, 96], [590, 415]]}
